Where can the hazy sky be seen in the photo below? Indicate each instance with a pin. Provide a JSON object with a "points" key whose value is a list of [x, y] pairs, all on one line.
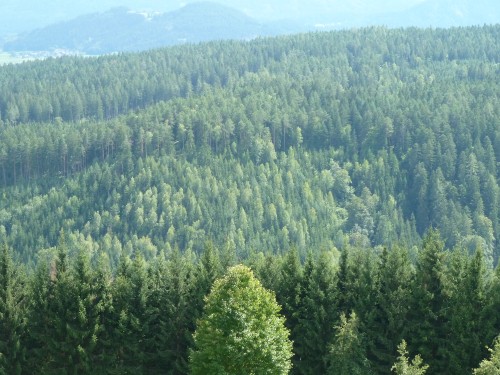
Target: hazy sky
{"points": [[22, 15]]}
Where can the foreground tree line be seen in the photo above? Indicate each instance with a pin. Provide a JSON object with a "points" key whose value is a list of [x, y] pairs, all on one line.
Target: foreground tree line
{"points": [[345, 312]]}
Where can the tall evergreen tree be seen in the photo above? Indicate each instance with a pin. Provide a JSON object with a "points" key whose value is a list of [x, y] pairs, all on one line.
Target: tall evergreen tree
{"points": [[490, 366], [289, 295], [39, 320], [347, 353], [391, 309], [403, 366], [12, 318], [427, 323], [317, 315], [467, 333], [129, 292], [179, 297]]}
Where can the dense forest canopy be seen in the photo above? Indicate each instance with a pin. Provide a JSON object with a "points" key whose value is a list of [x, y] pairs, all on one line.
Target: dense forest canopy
{"points": [[368, 137], [355, 172]]}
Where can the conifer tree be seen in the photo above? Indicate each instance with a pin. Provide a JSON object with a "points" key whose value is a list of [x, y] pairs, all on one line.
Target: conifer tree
{"points": [[317, 314], [12, 319], [403, 366], [391, 309], [490, 366], [427, 320], [466, 312], [348, 353], [39, 319], [129, 292], [156, 319], [179, 298], [289, 293]]}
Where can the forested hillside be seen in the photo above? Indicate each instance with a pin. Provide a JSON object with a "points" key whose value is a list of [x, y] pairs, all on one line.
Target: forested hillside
{"points": [[355, 172], [366, 137]]}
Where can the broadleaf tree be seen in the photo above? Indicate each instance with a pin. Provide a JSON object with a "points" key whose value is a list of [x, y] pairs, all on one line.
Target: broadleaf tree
{"points": [[241, 330]]}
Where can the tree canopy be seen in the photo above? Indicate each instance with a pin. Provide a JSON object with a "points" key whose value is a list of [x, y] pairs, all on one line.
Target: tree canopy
{"points": [[241, 330]]}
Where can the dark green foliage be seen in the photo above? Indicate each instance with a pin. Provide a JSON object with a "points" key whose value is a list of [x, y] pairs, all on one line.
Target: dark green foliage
{"points": [[347, 353], [289, 295], [427, 318], [316, 315], [12, 315], [270, 149], [466, 312], [140, 320], [130, 306], [390, 312]]}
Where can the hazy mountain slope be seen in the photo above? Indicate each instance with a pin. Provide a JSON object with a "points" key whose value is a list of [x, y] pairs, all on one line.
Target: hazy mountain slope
{"points": [[22, 16], [122, 30], [445, 13]]}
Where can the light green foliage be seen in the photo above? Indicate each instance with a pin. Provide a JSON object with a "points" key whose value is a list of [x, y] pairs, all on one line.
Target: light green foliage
{"points": [[347, 353], [241, 331], [490, 366], [403, 366]]}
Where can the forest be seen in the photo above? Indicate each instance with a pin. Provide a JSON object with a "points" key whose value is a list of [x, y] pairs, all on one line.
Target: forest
{"points": [[355, 172]]}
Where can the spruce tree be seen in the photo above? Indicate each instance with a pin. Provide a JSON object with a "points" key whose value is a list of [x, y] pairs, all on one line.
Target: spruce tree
{"points": [[391, 309], [39, 319], [347, 352], [403, 366], [466, 312], [427, 319], [179, 298], [490, 366], [288, 295], [129, 292], [317, 314], [12, 319]]}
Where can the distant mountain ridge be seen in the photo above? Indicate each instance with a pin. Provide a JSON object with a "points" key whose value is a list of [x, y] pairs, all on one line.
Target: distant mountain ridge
{"points": [[120, 29], [447, 13]]}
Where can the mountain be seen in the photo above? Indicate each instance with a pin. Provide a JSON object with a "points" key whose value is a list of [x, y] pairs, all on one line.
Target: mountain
{"points": [[448, 13], [153, 23], [120, 29], [26, 15]]}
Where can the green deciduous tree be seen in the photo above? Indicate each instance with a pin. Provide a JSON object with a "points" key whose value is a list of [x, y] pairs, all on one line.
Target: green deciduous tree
{"points": [[241, 331]]}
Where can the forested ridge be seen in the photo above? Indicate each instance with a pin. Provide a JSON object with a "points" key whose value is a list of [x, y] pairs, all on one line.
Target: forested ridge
{"points": [[333, 145]]}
